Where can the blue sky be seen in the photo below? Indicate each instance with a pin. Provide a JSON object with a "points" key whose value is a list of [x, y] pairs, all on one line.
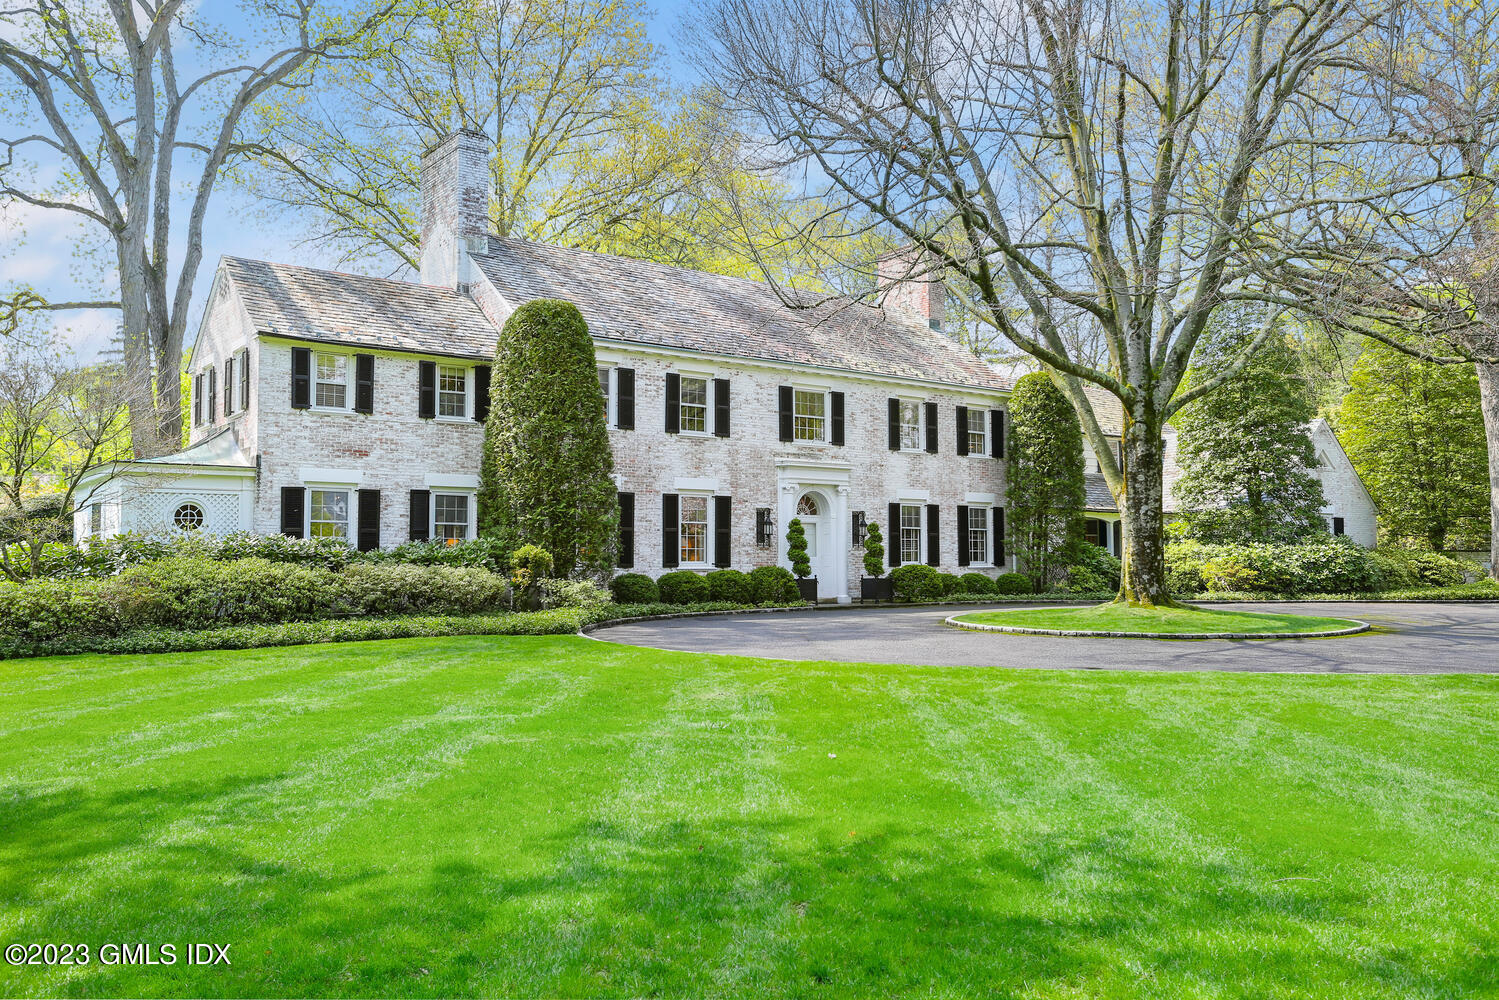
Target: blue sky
{"points": [[40, 248]]}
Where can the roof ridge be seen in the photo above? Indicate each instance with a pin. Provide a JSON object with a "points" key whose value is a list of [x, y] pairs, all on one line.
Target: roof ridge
{"points": [[401, 282]]}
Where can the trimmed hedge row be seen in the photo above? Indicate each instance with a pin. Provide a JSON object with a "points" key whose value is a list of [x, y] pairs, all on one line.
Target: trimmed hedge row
{"points": [[762, 585], [1333, 566]]}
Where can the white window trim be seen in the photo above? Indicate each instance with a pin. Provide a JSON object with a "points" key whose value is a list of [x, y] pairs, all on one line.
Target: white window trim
{"points": [[611, 382], [981, 412], [988, 561], [348, 406], [472, 527], [920, 447], [709, 416], [827, 413], [921, 542], [351, 528], [708, 530], [468, 395]]}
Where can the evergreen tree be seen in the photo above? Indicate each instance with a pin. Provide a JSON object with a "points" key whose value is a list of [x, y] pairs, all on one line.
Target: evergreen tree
{"points": [[545, 474], [1414, 431], [1045, 495], [1246, 451]]}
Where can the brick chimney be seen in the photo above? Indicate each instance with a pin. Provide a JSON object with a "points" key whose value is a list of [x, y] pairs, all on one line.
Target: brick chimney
{"points": [[910, 284], [455, 207]]}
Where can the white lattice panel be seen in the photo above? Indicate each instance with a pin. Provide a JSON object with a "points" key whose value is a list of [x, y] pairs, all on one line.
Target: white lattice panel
{"points": [[154, 510]]}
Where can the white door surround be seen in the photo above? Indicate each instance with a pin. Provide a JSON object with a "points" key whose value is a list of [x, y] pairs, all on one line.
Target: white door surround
{"points": [[824, 484]]}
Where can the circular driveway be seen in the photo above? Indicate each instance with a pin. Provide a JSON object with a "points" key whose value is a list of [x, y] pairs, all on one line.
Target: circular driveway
{"points": [[1411, 638]]}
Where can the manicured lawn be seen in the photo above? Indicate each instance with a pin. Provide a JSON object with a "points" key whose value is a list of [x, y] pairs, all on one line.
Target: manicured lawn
{"points": [[1118, 618], [560, 817]]}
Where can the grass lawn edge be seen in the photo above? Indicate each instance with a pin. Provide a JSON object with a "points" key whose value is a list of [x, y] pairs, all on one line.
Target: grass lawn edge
{"points": [[957, 621]]}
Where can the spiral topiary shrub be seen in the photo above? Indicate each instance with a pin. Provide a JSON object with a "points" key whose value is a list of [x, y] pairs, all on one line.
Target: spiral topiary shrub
{"points": [[634, 588], [683, 587]]}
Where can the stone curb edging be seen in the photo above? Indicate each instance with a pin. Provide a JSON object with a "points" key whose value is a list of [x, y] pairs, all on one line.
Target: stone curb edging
{"points": [[953, 622]]}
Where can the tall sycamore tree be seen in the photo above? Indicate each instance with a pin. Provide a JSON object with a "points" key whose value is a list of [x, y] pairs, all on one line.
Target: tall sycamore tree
{"points": [[1139, 164], [544, 478]]}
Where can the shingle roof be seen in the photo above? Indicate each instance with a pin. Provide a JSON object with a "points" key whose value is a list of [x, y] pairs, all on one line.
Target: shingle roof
{"points": [[648, 303], [1096, 495], [352, 309]]}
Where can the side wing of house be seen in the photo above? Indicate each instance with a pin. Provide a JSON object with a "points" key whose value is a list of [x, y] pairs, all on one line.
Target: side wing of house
{"points": [[1350, 510]]}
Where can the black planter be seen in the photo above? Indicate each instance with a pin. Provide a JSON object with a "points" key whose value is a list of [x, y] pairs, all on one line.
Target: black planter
{"points": [[808, 588], [876, 588]]}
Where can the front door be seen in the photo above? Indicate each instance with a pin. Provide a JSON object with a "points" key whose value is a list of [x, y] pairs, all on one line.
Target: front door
{"points": [[812, 511]]}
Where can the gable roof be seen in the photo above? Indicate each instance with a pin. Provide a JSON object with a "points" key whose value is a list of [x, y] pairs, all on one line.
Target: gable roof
{"points": [[644, 302], [304, 302]]}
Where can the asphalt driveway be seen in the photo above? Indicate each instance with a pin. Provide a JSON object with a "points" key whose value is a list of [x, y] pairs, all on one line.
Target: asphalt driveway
{"points": [[1410, 638]]}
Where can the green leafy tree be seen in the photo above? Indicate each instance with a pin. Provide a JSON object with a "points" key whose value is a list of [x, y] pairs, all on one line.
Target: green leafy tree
{"points": [[874, 550], [1414, 431], [1246, 449], [545, 474], [1045, 496], [796, 548]]}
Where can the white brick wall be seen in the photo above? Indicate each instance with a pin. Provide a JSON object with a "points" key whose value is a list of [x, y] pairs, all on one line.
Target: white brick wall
{"points": [[224, 331], [1342, 488]]}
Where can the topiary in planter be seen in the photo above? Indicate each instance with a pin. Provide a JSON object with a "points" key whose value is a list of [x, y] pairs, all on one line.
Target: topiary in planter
{"points": [[683, 587], [728, 585], [975, 583], [796, 549], [874, 550], [772, 585], [916, 582], [634, 588], [1012, 583]]}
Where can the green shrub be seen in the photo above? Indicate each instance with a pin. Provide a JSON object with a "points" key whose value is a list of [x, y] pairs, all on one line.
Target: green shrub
{"points": [[1012, 583], [41, 609], [950, 583], [187, 593], [375, 589], [634, 588], [796, 548], [728, 585], [683, 587], [874, 550], [1436, 570], [1094, 572], [772, 585], [975, 583], [573, 594], [1322, 566], [916, 582]]}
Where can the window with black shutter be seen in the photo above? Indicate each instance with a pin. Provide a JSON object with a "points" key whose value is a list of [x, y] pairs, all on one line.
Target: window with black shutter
{"points": [[364, 383], [997, 433], [933, 536], [931, 430], [962, 431], [723, 553], [301, 378], [211, 410], [426, 389], [228, 386], [482, 378], [894, 424], [626, 530], [721, 407], [669, 512], [962, 515], [624, 403], [673, 404], [293, 511], [892, 534], [421, 515], [1337, 526], [785, 404], [837, 406], [999, 536], [244, 380], [369, 520], [198, 400]]}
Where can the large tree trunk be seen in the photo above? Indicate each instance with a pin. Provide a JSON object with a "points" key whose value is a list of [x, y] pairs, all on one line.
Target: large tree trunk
{"points": [[1488, 395], [1143, 580]]}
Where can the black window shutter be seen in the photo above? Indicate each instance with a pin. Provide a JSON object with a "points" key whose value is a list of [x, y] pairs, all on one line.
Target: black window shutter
{"points": [[244, 381], [421, 515], [213, 395], [228, 386], [894, 424], [626, 530], [933, 536], [197, 400], [997, 433], [962, 430], [426, 389], [962, 532], [1338, 526], [837, 398], [721, 407], [369, 520], [723, 511], [784, 404], [301, 378], [892, 540], [1118, 537], [931, 430], [673, 403], [481, 392], [364, 383], [293, 511], [669, 549], [624, 402], [999, 536]]}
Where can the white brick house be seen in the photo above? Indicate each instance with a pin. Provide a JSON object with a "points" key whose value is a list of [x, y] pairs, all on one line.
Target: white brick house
{"points": [[333, 404]]}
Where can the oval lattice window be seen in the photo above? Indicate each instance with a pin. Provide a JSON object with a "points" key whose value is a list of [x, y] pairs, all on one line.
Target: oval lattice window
{"points": [[188, 517]]}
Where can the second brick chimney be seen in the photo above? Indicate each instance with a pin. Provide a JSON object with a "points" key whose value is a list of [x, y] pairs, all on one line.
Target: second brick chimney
{"points": [[455, 207], [910, 283]]}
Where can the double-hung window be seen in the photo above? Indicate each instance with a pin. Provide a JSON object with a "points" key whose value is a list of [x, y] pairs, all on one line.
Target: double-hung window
{"points": [[978, 435], [910, 425], [693, 528], [910, 533], [604, 385], [978, 535], [694, 405], [810, 415], [452, 391], [332, 381], [450, 516], [328, 514]]}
